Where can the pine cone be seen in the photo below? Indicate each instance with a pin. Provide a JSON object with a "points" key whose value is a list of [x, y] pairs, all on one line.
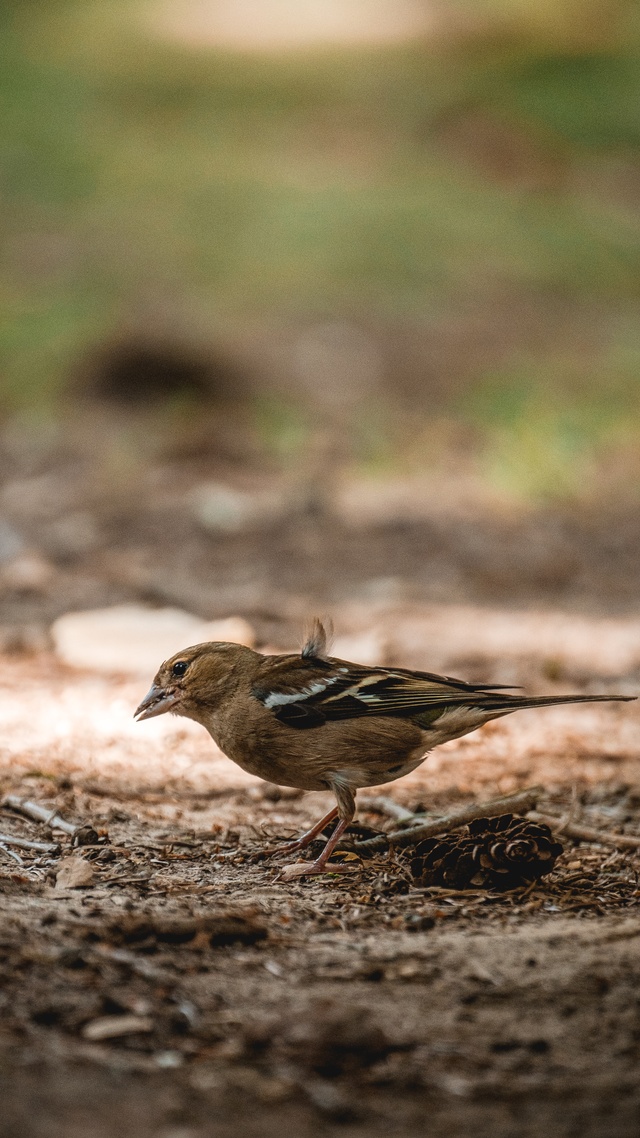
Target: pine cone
{"points": [[490, 853]]}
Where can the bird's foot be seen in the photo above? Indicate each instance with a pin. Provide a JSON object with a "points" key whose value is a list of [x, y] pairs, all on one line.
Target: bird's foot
{"points": [[312, 869], [305, 839]]}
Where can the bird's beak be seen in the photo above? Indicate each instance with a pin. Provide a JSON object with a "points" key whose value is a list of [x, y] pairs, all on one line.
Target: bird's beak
{"points": [[156, 702]]}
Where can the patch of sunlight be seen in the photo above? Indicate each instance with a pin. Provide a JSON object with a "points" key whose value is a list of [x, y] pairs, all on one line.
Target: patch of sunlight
{"points": [[273, 25]]}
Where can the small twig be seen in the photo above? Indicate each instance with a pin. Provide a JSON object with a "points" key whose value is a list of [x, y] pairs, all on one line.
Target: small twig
{"points": [[112, 849], [574, 806], [519, 803], [153, 793], [126, 879], [586, 833], [570, 815], [25, 844], [15, 856], [383, 805], [39, 813], [442, 893]]}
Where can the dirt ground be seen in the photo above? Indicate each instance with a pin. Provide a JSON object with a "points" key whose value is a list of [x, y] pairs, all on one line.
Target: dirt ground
{"points": [[182, 991], [178, 990]]}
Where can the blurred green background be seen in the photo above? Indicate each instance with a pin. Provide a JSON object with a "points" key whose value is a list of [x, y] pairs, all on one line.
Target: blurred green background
{"points": [[431, 245]]}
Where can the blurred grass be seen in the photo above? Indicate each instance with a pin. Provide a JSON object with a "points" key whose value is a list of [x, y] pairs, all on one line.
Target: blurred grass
{"points": [[551, 434], [139, 177]]}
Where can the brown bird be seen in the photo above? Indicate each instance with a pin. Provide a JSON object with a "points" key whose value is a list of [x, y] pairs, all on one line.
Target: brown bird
{"points": [[318, 723]]}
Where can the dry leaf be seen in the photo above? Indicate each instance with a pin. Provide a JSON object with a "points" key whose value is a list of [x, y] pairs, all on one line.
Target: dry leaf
{"points": [[74, 873]]}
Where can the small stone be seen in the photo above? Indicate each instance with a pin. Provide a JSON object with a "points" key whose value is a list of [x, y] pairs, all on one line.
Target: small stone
{"points": [[134, 640], [408, 969], [419, 922], [74, 873], [168, 1060]]}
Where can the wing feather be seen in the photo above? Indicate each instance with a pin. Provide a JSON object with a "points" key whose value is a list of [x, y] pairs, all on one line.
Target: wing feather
{"points": [[307, 691]]}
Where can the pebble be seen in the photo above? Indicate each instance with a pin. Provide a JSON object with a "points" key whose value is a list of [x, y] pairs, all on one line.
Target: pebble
{"points": [[134, 640]]}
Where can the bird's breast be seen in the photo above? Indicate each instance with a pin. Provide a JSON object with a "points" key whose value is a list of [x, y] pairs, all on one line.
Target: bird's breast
{"points": [[373, 750], [264, 748]]}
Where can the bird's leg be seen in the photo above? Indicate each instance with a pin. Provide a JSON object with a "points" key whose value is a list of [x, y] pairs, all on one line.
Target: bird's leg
{"points": [[305, 839], [346, 810]]}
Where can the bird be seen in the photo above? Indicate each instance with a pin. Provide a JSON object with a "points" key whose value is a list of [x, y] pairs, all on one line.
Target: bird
{"points": [[312, 721]]}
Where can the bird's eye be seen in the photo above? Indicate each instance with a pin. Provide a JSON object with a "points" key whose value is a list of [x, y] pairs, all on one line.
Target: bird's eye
{"points": [[179, 668]]}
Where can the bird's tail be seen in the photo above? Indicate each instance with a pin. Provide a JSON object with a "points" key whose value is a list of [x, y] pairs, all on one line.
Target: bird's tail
{"points": [[504, 704]]}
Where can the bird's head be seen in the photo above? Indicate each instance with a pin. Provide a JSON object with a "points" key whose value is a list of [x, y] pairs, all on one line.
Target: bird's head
{"points": [[194, 682]]}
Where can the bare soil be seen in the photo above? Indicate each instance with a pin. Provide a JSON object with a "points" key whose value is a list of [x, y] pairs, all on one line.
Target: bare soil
{"points": [[185, 992], [182, 991]]}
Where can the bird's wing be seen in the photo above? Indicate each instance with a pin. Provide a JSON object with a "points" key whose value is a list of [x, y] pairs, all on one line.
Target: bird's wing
{"points": [[306, 692]]}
